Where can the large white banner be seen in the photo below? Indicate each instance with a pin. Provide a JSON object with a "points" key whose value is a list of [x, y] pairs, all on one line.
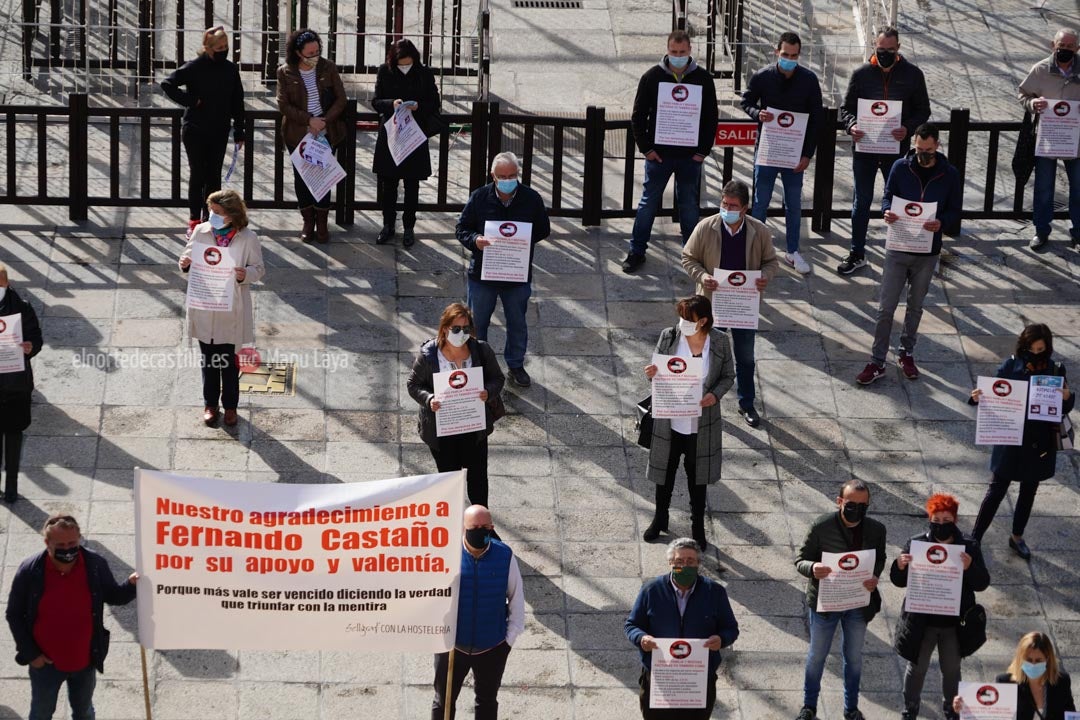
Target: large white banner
{"points": [[266, 566]]}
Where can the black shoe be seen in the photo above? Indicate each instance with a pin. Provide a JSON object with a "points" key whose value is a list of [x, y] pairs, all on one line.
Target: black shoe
{"points": [[1038, 242], [408, 237], [519, 377], [10, 496], [653, 531], [698, 533], [632, 262], [855, 714], [851, 263], [385, 235], [807, 713], [1020, 548], [750, 416]]}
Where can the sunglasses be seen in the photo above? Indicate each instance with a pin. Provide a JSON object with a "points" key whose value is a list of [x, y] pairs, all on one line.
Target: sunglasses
{"points": [[458, 329]]}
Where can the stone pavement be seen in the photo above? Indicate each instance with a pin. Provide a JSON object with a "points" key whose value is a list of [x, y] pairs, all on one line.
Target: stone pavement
{"points": [[568, 486]]}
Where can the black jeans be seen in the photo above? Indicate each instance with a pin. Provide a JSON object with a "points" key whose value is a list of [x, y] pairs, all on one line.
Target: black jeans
{"points": [[206, 155], [686, 447], [11, 451], [468, 452], [388, 194], [304, 198], [683, 714], [487, 669], [220, 375], [999, 486]]}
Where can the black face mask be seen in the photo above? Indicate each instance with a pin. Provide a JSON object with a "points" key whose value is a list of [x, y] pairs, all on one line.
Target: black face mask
{"points": [[1036, 358], [885, 58], [221, 55], [854, 512], [66, 555], [478, 537], [925, 158], [1064, 56], [941, 532]]}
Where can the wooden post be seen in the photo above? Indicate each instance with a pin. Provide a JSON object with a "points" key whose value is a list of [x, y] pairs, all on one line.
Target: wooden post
{"points": [[145, 683]]}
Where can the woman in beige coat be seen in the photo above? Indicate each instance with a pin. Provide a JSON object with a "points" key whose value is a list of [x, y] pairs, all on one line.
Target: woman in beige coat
{"points": [[222, 333]]}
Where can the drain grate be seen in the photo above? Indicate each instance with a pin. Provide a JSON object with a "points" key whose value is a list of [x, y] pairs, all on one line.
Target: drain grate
{"points": [[270, 379], [548, 4]]}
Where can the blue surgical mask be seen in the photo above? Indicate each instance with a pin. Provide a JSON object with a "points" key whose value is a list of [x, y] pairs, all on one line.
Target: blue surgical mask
{"points": [[1033, 671], [787, 65], [731, 217], [217, 221], [678, 62], [506, 186]]}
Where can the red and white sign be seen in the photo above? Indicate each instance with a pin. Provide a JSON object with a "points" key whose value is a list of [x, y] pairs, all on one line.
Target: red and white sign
{"points": [[877, 119], [678, 669], [12, 357], [935, 578], [843, 589], [988, 701], [460, 408], [678, 115], [211, 279], [676, 387], [907, 233], [781, 142], [509, 255], [1002, 411], [736, 303], [1058, 134], [736, 134]]}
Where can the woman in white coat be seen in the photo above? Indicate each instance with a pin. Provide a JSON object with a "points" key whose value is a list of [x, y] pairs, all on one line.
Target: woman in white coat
{"points": [[222, 333]]}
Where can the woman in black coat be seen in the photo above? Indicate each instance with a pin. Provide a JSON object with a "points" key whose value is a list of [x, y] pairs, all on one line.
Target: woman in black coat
{"points": [[1036, 459], [402, 81], [455, 347], [1044, 690], [16, 387]]}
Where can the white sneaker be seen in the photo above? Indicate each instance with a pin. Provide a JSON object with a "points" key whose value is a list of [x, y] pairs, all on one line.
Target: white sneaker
{"points": [[796, 261]]}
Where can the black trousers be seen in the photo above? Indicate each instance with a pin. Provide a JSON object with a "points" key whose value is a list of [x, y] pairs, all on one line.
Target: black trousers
{"points": [[206, 155], [468, 452], [999, 486], [11, 452], [388, 194], [684, 446], [682, 714], [487, 669], [220, 375]]}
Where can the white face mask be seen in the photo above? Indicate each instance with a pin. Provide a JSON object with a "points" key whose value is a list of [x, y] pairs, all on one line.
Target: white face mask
{"points": [[687, 327], [404, 69], [457, 339]]}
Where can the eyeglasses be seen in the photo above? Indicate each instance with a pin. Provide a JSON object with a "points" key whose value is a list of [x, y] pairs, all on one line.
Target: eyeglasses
{"points": [[458, 329]]}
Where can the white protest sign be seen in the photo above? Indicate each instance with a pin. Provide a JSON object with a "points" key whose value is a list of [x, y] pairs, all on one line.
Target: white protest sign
{"points": [[989, 701], [781, 141], [878, 118], [906, 233], [403, 134], [678, 114], [1058, 133], [320, 179], [935, 579], [12, 357], [1044, 398], [737, 302], [211, 278], [842, 589], [460, 408], [679, 666], [676, 387], [507, 258], [1002, 406]]}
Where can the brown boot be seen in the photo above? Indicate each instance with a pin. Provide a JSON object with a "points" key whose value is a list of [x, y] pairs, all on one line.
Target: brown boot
{"points": [[307, 234], [322, 231]]}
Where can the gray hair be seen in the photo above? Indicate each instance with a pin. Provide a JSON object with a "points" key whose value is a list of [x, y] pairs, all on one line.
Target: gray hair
{"points": [[683, 543], [506, 157], [1063, 32]]}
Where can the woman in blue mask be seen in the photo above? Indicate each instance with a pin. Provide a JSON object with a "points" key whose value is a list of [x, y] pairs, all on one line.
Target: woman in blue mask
{"points": [[1044, 691], [1036, 459]]}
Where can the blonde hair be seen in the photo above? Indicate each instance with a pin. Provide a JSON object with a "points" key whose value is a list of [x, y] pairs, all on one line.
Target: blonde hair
{"points": [[452, 312], [1035, 641], [210, 35], [233, 205]]}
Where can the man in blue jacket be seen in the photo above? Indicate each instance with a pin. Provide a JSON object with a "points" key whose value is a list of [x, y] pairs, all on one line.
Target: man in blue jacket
{"points": [[923, 176], [56, 611], [491, 616], [681, 604], [507, 201]]}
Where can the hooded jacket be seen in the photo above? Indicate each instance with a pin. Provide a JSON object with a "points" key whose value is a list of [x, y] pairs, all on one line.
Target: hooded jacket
{"points": [[904, 82], [643, 118], [21, 383], [943, 187]]}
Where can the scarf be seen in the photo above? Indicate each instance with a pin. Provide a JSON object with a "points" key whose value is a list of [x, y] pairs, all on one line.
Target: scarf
{"points": [[224, 236]]}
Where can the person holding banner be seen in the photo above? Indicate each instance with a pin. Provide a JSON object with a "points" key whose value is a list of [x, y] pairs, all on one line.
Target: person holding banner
{"points": [[674, 126], [785, 86], [17, 385], [1036, 459], [511, 217], [311, 98], [491, 617], [1054, 78], [922, 178], [917, 634], [222, 333], [732, 240], [697, 440], [892, 80], [1044, 689], [403, 82], [851, 536], [56, 615], [212, 94], [455, 347], [681, 603]]}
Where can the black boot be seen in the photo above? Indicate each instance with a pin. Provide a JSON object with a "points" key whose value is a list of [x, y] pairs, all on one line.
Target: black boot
{"points": [[660, 516], [12, 452], [307, 233], [697, 516]]}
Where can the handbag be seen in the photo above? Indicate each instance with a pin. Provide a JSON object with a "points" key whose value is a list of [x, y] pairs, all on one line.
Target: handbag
{"points": [[644, 423], [971, 632], [435, 123], [1023, 161], [498, 408]]}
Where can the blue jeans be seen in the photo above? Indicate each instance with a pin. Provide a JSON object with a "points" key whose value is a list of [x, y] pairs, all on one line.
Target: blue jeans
{"points": [[822, 628], [865, 167], [1043, 202], [764, 182], [742, 345], [515, 302], [45, 685], [687, 173]]}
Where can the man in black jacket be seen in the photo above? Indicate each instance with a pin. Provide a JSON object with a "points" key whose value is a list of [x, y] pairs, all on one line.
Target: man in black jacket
{"points": [[887, 76], [785, 85], [55, 612], [663, 128], [844, 531]]}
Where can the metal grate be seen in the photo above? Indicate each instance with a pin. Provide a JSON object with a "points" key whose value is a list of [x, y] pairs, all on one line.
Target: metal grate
{"points": [[548, 4], [270, 379]]}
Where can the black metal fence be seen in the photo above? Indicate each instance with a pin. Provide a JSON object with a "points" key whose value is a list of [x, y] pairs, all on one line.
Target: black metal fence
{"points": [[35, 134]]}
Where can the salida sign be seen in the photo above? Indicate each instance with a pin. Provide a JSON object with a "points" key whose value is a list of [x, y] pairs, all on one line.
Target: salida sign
{"points": [[736, 134]]}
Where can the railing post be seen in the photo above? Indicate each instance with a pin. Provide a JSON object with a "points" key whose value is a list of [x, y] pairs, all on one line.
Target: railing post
{"points": [[144, 63], [959, 127], [494, 133], [592, 200], [478, 171], [78, 157], [272, 22], [821, 214], [345, 214]]}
